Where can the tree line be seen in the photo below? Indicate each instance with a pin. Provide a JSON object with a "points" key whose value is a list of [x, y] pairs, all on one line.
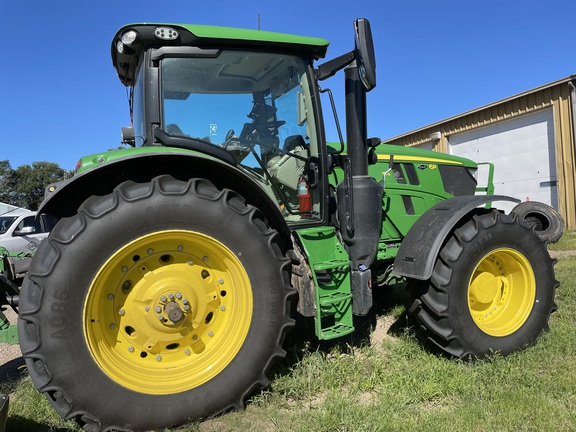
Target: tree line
{"points": [[24, 186]]}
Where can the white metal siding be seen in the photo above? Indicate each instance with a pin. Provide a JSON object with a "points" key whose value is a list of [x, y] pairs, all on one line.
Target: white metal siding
{"points": [[523, 153]]}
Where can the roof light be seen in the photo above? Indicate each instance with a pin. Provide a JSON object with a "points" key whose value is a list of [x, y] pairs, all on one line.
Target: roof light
{"points": [[129, 37], [165, 33], [126, 39]]}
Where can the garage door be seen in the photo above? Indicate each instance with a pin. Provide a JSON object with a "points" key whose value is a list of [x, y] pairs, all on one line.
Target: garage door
{"points": [[522, 151]]}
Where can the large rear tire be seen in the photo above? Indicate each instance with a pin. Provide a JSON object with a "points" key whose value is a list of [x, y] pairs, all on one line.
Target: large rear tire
{"points": [[158, 304], [492, 289]]}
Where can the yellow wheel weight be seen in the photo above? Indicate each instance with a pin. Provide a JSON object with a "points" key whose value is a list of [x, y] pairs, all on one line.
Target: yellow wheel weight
{"points": [[501, 292], [168, 312]]}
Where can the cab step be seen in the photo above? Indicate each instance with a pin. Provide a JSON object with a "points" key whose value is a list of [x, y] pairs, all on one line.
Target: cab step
{"points": [[331, 273]]}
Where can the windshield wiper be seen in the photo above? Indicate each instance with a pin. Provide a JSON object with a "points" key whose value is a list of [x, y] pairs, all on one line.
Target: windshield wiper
{"points": [[195, 144]]}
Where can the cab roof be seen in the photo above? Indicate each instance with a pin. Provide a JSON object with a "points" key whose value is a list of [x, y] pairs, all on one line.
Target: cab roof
{"points": [[125, 55]]}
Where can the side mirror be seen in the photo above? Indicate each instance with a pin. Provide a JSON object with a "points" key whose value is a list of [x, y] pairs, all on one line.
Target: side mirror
{"points": [[24, 231], [128, 136], [365, 58]]}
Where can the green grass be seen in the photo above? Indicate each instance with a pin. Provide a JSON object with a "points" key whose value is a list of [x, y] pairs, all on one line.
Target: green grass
{"points": [[566, 242], [394, 383]]}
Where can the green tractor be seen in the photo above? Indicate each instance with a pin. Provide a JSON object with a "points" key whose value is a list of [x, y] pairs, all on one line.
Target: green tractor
{"points": [[164, 293]]}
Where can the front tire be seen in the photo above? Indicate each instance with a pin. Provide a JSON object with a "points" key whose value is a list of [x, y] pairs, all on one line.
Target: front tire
{"points": [[158, 304], [492, 289]]}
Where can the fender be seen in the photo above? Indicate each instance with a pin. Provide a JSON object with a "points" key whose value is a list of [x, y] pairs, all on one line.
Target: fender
{"points": [[419, 249], [64, 198]]}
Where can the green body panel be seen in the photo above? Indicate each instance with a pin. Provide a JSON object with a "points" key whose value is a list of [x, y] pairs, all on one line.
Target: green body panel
{"points": [[97, 159], [406, 197], [8, 332], [262, 37]]}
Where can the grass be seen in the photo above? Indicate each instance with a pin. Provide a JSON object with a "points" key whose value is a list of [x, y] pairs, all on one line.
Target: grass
{"points": [[387, 381], [566, 242]]}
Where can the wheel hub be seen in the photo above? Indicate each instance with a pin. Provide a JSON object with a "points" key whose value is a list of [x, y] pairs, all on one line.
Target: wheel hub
{"points": [[174, 312], [485, 287]]}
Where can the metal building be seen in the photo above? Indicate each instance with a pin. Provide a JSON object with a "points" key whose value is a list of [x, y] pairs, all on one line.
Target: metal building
{"points": [[529, 137]]}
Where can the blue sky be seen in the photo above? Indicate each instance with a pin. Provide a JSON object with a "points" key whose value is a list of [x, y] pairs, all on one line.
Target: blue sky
{"points": [[61, 99]]}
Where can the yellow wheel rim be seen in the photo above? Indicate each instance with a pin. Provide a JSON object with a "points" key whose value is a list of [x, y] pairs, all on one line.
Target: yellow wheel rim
{"points": [[168, 312], [501, 292]]}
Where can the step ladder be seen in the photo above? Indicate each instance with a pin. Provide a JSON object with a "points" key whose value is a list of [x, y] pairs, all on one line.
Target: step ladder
{"points": [[330, 267]]}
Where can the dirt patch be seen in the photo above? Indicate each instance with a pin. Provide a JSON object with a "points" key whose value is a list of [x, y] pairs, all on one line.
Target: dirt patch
{"points": [[381, 330], [562, 253]]}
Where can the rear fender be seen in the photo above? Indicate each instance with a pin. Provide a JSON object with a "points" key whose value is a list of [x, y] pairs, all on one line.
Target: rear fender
{"points": [[419, 249], [64, 198]]}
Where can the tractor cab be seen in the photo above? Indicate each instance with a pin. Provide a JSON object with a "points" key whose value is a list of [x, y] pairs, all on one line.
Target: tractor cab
{"points": [[248, 103]]}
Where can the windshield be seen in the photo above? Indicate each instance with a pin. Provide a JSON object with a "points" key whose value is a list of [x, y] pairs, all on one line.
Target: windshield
{"points": [[6, 222], [255, 105]]}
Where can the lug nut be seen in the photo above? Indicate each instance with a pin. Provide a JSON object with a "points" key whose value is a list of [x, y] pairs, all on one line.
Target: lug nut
{"points": [[163, 298], [158, 309]]}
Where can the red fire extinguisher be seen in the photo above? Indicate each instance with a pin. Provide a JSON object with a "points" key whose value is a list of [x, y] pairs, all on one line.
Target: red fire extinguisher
{"points": [[304, 196]]}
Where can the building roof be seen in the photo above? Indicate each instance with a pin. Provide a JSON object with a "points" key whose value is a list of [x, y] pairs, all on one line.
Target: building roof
{"points": [[482, 108]]}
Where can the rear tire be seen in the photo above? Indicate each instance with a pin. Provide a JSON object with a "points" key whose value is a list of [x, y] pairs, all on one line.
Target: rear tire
{"points": [[158, 304], [492, 289], [547, 222]]}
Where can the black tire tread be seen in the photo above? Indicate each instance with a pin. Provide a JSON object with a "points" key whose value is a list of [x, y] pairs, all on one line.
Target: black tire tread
{"points": [[96, 207], [548, 223], [432, 307]]}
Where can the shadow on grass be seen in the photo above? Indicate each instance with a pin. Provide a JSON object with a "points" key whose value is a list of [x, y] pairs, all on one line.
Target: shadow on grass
{"points": [[387, 301], [21, 424]]}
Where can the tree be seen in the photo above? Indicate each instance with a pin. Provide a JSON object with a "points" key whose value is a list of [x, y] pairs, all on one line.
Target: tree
{"points": [[24, 186], [6, 182]]}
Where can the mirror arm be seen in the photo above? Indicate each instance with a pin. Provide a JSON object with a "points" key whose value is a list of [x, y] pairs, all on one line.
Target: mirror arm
{"points": [[328, 69]]}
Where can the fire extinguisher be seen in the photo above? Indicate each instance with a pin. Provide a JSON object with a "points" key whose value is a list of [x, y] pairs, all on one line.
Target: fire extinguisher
{"points": [[304, 196]]}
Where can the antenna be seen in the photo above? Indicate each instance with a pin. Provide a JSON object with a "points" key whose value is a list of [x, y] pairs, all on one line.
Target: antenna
{"points": [[258, 21]]}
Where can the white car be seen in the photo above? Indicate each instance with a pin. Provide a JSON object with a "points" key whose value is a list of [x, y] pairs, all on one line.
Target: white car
{"points": [[20, 234]]}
